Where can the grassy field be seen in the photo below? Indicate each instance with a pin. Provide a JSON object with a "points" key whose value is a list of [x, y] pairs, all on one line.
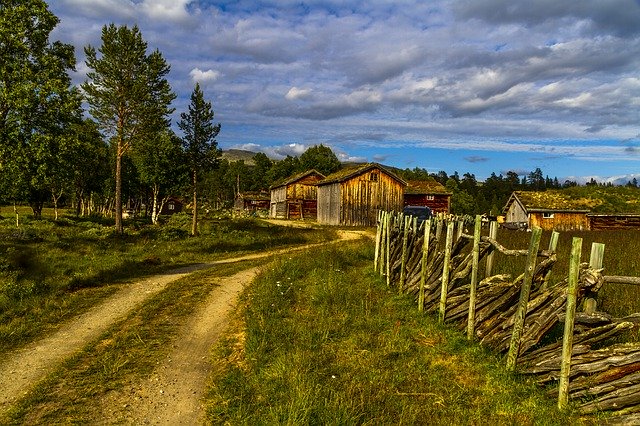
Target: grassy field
{"points": [[51, 270], [322, 340], [622, 257]]}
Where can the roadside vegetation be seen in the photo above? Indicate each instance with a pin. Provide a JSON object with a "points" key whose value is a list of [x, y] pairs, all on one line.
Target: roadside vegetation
{"points": [[321, 340], [51, 270]]}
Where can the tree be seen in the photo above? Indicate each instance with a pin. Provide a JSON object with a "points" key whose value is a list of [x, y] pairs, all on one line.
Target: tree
{"points": [[36, 101], [283, 169], [127, 93], [320, 158], [260, 170], [160, 164], [199, 143]]}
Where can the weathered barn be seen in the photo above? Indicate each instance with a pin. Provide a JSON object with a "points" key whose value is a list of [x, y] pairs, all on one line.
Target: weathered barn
{"points": [[354, 195], [617, 221], [252, 201], [428, 193], [549, 210], [296, 196]]}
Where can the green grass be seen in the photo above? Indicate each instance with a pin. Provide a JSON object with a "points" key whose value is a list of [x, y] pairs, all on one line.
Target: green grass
{"points": [[622, 257], [52, 270], [322, 340], [78, 391]]}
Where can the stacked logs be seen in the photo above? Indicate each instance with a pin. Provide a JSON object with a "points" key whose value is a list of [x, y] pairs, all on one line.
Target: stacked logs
{"points": [[606, 378]]}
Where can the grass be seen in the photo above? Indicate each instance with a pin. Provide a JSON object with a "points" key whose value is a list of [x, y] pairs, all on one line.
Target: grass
{"points": [[322, 340], [79, 390], [52, 270], [622, 257]]}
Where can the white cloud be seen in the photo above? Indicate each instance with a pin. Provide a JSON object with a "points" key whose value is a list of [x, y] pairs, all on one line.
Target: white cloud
{"points": [[295, 93], [208, 76]]}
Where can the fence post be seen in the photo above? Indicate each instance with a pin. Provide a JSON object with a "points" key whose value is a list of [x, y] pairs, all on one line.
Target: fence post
{"points": [[425, 263], [439, 223], [383, 243], [493, 234], [521, 311], [376, 256], [403, 263], [388, 249], [474, 278], [445, 270], [595, 261], [553, 245], [460, 229], [567, 341]]}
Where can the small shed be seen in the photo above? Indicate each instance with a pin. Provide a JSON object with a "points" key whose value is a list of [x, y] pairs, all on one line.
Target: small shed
{"points": [[252, 201], [429, 193], [549, 210], [171, 206], [353, 196], [296, 196]]}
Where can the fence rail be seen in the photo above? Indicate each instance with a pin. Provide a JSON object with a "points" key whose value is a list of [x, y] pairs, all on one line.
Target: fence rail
{"points": [[516, 316]]}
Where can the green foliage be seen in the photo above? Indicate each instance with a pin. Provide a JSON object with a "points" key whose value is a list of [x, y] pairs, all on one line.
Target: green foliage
{"points": [[321, 158], [37, 104]]}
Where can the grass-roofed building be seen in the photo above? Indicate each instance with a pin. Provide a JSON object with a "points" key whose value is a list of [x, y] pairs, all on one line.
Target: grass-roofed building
{"points": [[429, 193], [579, 208], [296, 196], [354, 195]]}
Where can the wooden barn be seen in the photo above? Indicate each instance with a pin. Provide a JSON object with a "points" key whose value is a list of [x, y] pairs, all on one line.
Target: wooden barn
{"points": [[613, 221], [353, 196], [428, 193], [296, 196], [549, 210], [252, 201]]}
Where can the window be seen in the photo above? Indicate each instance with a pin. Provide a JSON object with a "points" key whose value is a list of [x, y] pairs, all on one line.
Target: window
{"points": [[171, 206], [547, 215], [430, 198], [373, 177]]}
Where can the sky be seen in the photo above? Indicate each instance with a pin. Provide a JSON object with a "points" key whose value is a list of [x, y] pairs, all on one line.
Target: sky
{"points": [[473, 86]]}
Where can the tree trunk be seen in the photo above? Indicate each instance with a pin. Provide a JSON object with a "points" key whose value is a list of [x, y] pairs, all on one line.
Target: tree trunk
{"points": [[15, 210], [194, 223], [118, 200]]}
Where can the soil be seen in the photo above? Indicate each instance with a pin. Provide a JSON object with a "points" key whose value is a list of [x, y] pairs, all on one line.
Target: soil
{"points": [[171, 395]]}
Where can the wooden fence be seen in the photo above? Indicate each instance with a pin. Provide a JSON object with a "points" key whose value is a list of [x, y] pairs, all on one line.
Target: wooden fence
{"points": [[438, 264]]}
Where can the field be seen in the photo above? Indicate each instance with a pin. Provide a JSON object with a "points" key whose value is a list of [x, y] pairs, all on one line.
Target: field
{"points": [[51, 270]]}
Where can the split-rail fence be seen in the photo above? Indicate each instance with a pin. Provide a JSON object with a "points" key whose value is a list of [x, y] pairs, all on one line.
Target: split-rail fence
{"points": [[438, 263]]}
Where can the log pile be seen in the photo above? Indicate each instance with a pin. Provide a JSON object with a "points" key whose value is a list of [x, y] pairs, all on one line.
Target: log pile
{"points": [[601, 378]]}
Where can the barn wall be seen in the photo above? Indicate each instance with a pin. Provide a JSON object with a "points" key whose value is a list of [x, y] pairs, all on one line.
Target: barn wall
{"points": [[606, 222], [516, 214], [362, 197], [329, 204], [439, 204], [561, 221], [303, 189]]}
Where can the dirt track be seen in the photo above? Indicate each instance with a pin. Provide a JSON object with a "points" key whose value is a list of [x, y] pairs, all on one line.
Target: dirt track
{"points": [[172, 394]]}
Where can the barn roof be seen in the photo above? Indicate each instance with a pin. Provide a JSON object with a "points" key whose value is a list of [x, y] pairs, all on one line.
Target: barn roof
{"points": [[427, 187], [296, 177], [349, 172]]}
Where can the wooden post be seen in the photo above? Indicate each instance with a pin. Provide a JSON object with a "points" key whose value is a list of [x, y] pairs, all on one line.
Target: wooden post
{"points": [[474, 278], [403, 263], [445, 270], [567, 342], [388, 249], [460, 229], [521, 312], [595, 261], [383, 245], [425, 263], [376, 256], [553, 245], [493, 233], [439, 224]]}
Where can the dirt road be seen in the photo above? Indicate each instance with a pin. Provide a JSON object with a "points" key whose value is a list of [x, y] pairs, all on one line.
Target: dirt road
{"points": [[172, 394]]}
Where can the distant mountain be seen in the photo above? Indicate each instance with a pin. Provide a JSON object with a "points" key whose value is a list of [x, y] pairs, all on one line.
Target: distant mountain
{"points": [[239, 154]]}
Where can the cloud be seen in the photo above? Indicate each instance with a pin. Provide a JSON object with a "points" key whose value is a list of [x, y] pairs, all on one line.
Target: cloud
{"points": [[295, 93], [208, 76], [476, 159]]}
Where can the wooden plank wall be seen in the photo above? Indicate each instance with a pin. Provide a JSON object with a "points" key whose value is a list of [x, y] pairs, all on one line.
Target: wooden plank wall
{"points": [[567, 221], [606, 222], [439, 204]]}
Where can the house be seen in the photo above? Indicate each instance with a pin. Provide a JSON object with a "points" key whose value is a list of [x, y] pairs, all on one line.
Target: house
{"points": [[295, 197], [252, 201], [549, 210], [171, 206], [429, 193], [353, 196]]}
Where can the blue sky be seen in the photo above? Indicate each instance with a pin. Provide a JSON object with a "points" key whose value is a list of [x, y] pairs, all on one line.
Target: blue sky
{"points": [[474, 86]]}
